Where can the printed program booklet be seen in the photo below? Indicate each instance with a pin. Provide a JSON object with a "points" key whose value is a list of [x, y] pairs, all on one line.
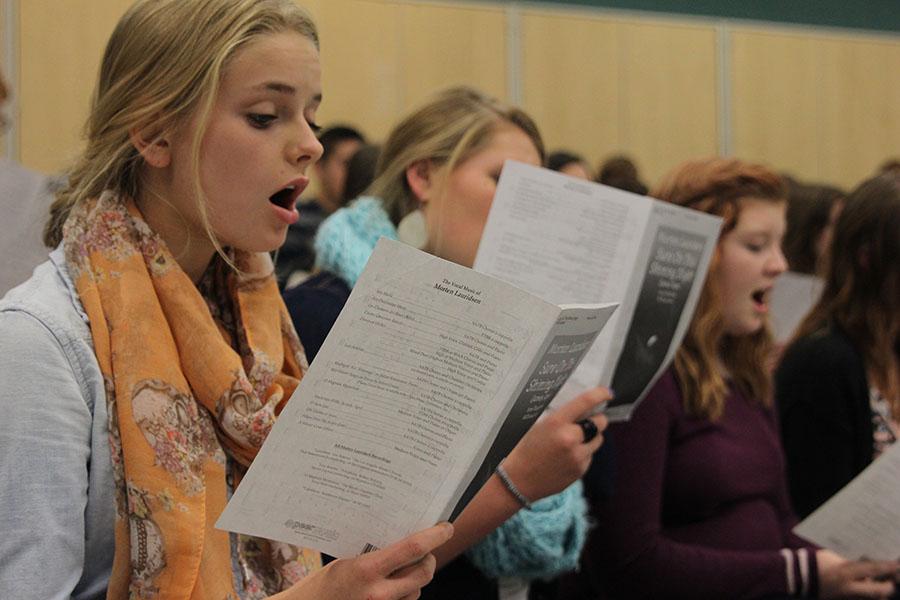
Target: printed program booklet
{"points": [[862, 521], [431, 373], [570, 240], [792, 297]]}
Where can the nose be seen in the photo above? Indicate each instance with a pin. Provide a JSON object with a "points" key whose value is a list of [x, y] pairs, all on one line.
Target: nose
{"points": [[304, 147], [777, 263]]}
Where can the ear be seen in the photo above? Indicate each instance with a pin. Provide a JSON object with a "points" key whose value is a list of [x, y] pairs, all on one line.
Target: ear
{"points": [[153, 146], [420, 178]]}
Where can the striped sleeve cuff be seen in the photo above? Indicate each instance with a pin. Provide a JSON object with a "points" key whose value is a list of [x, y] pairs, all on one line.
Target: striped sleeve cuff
{"points": [[801, 573]]}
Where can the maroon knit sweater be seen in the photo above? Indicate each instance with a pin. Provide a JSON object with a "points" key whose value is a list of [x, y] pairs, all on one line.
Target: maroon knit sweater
{"points": [[700, 508]]}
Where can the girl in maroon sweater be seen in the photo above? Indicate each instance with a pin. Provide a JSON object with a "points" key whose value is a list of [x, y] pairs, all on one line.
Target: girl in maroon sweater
{"points": [[700, 508]]}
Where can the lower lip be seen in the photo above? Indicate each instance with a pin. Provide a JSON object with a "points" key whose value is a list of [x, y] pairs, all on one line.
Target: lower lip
{"points": [[288, 216], [761, 308]]}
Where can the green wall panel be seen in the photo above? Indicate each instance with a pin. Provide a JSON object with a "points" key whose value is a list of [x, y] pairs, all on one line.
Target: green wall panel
{"points": [[878, 15]]}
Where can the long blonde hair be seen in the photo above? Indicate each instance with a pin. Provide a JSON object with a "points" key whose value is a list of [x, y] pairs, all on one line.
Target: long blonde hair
{"points": [[447, 130], [862, 281], [162, 65], [718, 186]]}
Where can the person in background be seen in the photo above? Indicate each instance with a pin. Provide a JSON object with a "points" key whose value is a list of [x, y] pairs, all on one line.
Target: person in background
{"points": [[144, 364], [25, 198], [621, 172], [297, 255], [700, 505], [892, 165], [812, 211], [360, 172], [569, 163], [436, 180], [339, 143], [838, 384]]}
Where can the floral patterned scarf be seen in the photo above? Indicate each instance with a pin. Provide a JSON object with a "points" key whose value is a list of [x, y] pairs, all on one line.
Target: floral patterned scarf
{"points": [[194, 380]]}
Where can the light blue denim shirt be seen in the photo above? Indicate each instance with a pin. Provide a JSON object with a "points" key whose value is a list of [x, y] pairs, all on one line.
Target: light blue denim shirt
{"points": [[56, 483]]}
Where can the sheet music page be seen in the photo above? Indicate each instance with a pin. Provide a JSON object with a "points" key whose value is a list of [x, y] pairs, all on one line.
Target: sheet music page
{"points": [[568, 240], [792, 297], [422, 362], [567, 344], [863, 519]]}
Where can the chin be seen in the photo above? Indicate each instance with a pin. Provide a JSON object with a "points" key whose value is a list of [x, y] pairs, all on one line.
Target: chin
{"points": [[753, 329], [747, 327], [268, 242]]}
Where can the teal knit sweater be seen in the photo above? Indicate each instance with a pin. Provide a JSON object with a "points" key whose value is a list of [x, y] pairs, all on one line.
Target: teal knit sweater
{"points": [[537, 543]]}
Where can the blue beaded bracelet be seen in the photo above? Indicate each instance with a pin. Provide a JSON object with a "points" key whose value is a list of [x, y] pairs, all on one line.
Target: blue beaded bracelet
{"points": [[504, 477]]}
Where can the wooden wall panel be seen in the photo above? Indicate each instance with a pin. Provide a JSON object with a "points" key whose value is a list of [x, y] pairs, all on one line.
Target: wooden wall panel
{"points": [[602, 86], [445, 45], [775, 116], [668, 101], [859, 107], [361, 63], [822, 107], [570, 82], [61, 45], [382, 58]]}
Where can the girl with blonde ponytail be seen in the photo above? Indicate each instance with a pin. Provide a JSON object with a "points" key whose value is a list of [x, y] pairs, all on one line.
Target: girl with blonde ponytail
{"points": [[434, 185], [145, 363]]}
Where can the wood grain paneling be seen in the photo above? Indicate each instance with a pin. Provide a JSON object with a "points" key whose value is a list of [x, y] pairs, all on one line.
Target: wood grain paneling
{"points": [[668, 94], [570, 81], [61, 44], [859, 107], [775, 102], [602, 86], [819, 104], [361, 63], [444, 45], [822, 107]]}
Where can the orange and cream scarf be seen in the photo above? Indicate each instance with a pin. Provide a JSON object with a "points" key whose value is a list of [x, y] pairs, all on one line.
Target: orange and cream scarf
{"points": [[195, 376]]}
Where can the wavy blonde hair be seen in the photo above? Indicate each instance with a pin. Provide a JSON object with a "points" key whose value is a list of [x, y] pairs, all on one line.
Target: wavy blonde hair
{"points": [[862, 281], [162, 66], [718, 186], [447, 130]]}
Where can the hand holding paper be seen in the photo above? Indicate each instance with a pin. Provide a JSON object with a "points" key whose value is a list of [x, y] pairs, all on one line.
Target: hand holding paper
{"points": [[555, 445], [840, 578], [396, 572]]}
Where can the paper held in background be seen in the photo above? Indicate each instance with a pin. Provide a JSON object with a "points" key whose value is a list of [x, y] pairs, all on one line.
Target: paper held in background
{"points": [[862, 521], [570, 240], [792, 297]]}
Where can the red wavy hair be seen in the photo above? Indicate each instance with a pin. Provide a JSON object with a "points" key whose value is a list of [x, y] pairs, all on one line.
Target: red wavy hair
{"points": [[718, 186]]}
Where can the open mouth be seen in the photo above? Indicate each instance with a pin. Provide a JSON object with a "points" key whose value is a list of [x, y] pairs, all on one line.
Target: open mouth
{"points": [[284, 197], [761, 298]]}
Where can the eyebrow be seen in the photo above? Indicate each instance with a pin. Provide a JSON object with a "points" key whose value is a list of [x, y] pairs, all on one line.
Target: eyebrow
{"points": [[281, 88], [284, 88]]}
